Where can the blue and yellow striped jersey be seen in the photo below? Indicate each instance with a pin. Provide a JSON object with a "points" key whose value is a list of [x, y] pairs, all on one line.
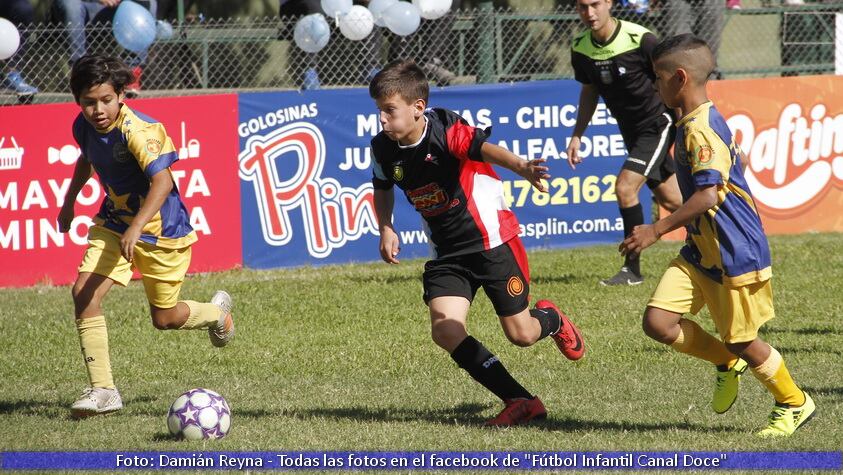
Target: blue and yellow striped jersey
{"points": [[727, 242], [126, 156]]}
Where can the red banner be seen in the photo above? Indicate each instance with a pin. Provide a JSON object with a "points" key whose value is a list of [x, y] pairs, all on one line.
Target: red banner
{"points": [[37, 156]]}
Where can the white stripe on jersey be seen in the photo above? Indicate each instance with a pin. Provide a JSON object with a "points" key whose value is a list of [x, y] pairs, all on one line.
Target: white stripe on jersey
{"points": [[488, 198]]}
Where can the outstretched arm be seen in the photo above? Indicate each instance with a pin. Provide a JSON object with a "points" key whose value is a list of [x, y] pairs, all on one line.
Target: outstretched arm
{"points": [[532, 170], [645, 235]]}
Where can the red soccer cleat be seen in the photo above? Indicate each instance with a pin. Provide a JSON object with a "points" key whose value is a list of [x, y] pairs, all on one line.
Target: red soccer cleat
{"points": [[133, 89], [568, 338], [519, 411]]}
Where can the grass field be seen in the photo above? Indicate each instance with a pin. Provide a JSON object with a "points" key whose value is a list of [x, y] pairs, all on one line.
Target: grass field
{"points": [[340, 358]]}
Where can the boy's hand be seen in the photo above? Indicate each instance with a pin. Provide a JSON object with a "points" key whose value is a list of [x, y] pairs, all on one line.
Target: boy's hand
{"points": [[65, 218], [128, 241], [390, 245], [534, 172], [642, 237], [574, 153]]}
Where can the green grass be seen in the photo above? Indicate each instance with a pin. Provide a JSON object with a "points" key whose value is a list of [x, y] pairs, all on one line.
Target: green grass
{"points": [[340, 358]]}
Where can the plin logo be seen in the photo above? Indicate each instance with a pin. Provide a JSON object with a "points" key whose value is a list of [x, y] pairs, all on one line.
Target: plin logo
{"points": [[330, 213]]}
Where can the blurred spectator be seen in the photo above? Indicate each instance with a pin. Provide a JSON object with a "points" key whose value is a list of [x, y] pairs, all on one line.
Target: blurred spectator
{"points": [[76, 14], [703, 18], [21, 13]]}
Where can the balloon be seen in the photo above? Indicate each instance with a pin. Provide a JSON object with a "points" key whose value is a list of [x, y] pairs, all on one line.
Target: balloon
{"points": [[433, 9], [335, 8], [312, 32], [403, 18], [377, 8], [9, 39], [164, 30], [133, 26], [357, 23]]}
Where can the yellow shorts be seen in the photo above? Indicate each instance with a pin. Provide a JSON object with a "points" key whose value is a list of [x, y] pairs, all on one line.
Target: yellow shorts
{"points": [[738, 312], [162, 270]]}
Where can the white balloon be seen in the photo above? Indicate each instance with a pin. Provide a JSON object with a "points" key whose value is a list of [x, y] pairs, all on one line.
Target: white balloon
{"points": [[9, 39], [403, 18], [377, 8], [312, 32], [433, 9], [357, 23], [335, 8]]}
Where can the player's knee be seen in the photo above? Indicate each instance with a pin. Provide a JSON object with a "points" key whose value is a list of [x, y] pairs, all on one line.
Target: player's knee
{"points": [[163, 320], [737, 348], [445, 334], [84, 296], [655, 328], [625, 190], [520, 337]]}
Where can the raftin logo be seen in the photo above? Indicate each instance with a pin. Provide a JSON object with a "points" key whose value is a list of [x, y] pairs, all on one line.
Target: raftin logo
{"points": [[331, 214]]}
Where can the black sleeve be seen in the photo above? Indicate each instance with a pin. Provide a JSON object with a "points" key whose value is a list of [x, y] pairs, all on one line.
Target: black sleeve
{"points": [[380, 179], [578, 61]]}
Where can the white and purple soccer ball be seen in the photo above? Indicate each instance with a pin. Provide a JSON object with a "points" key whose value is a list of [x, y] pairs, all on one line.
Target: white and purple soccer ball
{"points": [[199, 414]]}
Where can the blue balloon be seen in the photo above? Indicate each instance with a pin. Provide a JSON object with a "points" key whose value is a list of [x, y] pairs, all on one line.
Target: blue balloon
{"points": [[164, 30], [133, 26]]}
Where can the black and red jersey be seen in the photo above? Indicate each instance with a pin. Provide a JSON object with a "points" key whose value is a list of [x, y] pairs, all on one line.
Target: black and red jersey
{"points": [[445, 178]]}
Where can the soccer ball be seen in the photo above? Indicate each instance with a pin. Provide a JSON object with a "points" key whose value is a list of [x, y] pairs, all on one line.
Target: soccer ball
{"points": [[199, 414]]}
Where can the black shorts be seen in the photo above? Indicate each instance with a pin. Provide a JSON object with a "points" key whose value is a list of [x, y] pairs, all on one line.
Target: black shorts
{"points": [[649, 151], [502, 271]]}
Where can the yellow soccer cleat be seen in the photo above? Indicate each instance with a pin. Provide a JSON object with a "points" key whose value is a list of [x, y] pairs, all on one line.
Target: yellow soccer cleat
{"points": [[726, 387], [784, 420]]}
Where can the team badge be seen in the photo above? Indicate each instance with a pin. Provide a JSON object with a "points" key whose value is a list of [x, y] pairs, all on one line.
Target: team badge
{"points": [[398, 173], [703, 156], [514, 287], [606, 76], [153, 147], [121, 153]]}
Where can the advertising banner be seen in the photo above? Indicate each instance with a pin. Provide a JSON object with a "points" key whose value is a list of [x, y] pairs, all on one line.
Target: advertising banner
{"points": [[305, 170], [791, 129], [37, 157]]}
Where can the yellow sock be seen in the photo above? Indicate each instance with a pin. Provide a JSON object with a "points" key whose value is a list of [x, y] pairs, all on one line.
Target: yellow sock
{"points": [[774, 375], [695, 341], [93, 337], [202, 315]]}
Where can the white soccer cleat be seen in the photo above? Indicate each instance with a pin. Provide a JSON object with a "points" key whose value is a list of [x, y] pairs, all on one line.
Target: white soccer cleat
{"points": [[223, 332], [96, 401]]}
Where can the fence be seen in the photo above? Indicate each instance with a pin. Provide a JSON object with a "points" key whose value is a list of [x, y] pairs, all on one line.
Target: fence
{"points": [[477, 46]]}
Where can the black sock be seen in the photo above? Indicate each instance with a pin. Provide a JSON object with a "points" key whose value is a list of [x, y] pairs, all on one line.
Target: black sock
{"points": [[632, 216], [548, 319], [487, 370]]}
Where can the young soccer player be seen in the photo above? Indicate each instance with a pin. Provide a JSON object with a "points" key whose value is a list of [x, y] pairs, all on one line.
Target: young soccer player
{"points": [[725, 263], [142, 224], [443, 165], [612, 60]]}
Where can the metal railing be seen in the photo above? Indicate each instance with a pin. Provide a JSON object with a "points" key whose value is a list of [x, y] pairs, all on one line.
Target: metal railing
{"points": [[475, 46]]}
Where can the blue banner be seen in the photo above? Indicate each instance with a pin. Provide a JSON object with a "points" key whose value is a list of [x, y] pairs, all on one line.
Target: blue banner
{"points": [[429, 460], [305, 170]]}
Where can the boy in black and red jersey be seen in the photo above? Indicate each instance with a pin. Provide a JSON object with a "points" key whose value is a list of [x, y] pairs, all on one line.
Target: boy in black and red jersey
{"points": [[443, 165]]}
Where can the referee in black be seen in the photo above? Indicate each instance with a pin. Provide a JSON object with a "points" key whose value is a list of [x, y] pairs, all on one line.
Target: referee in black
{"points": [[612, 60]]}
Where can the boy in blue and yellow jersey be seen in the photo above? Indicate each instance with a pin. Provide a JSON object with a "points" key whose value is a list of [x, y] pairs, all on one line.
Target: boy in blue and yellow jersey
{"points": [[142, 224], [725, 263]]}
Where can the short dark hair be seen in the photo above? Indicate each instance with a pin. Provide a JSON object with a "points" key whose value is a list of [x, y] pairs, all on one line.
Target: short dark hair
{"points": [[403, 77], [688, 52], [683, 42], [94, 69]]}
